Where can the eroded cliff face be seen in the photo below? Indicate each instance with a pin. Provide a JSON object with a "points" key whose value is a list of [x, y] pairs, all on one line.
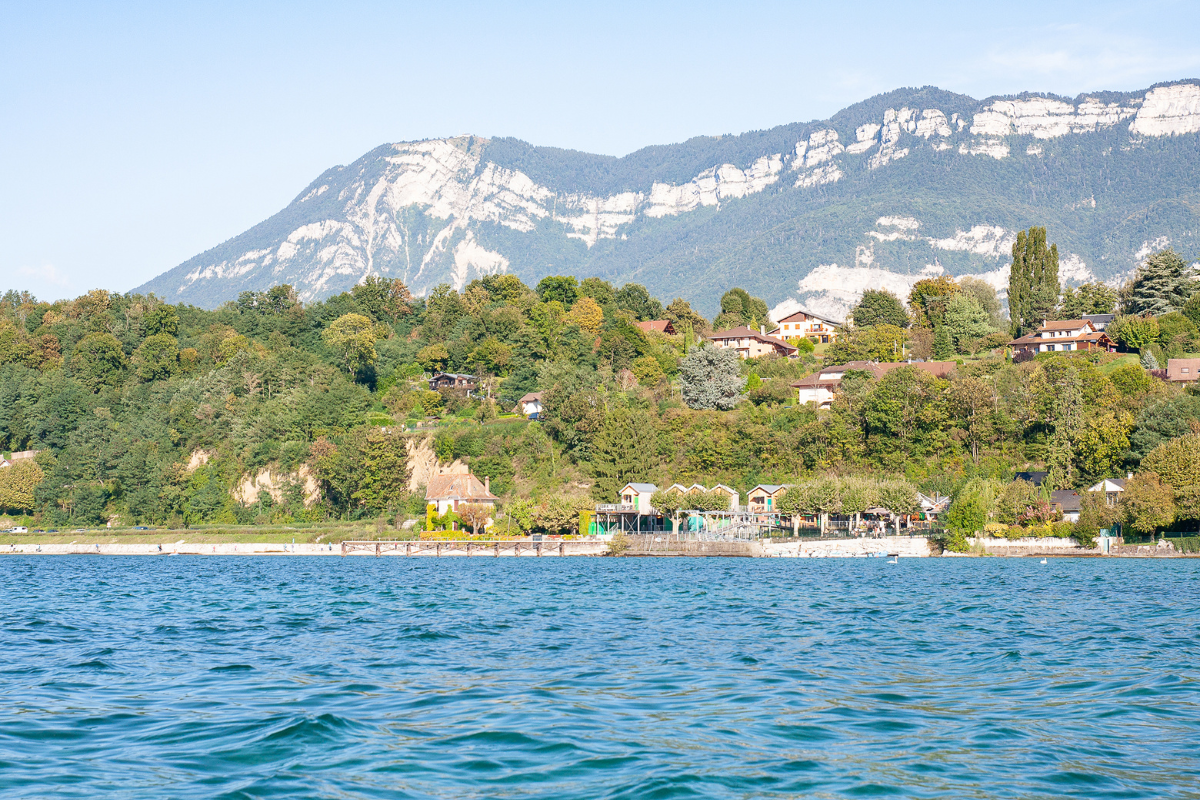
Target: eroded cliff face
{"points": [[434, 211]]}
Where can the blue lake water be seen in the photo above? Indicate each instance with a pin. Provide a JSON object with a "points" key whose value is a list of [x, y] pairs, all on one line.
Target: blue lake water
{"points": [[598, 678]]}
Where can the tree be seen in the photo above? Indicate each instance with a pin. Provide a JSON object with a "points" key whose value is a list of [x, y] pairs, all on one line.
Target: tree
{"points": [[1101, 444], [984, 294], [967, 514], [1176, 462], [1088, 298], [1176, 334], [739, 308], [1191, 309], [710, 378], [1066, 417], [1019, 496], [562, 288], [1163, 283], [682, 316], [1033, 286], [880, 342], [943, 343], [973, 400], [161, 318], [598, 289], [1134, 333], [384, 473], [929, 298], [157, 358], [634, 298], [98, 361], [648, 371], [17, 485], [625, 449], [383, 299], [433, 357], [475, 514], [1147, 503], [966, 322], [353, 337], [587, 314], [879, 307]]}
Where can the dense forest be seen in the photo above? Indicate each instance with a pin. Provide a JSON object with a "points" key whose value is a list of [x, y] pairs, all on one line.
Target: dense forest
{"points": [[149, 413]]}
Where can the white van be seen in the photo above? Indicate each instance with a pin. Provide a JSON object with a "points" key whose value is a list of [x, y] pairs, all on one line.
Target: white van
{"points": [[19, 529]]}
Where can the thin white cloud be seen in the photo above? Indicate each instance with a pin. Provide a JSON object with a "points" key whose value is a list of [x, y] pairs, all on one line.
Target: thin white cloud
{"points": [[47, 273]]}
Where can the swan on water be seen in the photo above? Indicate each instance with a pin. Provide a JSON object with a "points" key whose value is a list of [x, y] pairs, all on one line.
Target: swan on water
{"points": [[1043, 561]]}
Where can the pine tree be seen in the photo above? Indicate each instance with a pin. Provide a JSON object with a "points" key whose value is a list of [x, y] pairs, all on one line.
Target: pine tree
{"points": [[1162, 284], [1033, 286], [943, 344]]}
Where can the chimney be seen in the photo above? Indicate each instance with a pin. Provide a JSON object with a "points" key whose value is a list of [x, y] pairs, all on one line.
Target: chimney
{"points": [[1129, 476], [762, 329], [487, 483]]}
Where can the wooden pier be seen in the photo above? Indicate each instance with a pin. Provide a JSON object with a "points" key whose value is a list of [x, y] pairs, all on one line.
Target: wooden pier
{"points": [[477, 547]]}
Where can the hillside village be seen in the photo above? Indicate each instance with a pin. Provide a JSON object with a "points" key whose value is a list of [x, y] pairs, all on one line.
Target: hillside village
{"points": [[580, 407]]}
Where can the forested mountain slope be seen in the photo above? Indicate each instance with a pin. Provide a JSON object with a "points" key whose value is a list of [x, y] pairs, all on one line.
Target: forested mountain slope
{"points": [[907, 184]]}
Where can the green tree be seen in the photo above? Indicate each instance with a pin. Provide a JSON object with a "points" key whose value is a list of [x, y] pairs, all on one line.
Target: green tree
{"points": [[739, 308], [1067, 419], [966, 322], [157, 358], [598, 289], [1147, 503], [561, 288], [17, 485], [943, 343], [710, 378], [353, 337], [1191, 309], [1033, 286], [382, 299], [634, 298], [1133, 332], [682, 316], [881, 342], [161, 319], [384, 474], [98, 361], [929, 299], [879, 307], [1088, 298], [984, 294], [1163, 283]]}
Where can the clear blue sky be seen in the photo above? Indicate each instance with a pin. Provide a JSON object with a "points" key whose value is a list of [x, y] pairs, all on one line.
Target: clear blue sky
{"points": [[135, 135]]}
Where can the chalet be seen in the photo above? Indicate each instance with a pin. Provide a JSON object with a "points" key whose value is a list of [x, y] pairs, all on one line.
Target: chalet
{"points": [[1180, 370], [1113, 488], [698, 488], [806, 323], [821, 386], [750, 343], [636, 497], [764, 498], [448, 492], [20, 455], [452, 380], [1062, 335], [657, 325], [1068, 503], [530, 405]]}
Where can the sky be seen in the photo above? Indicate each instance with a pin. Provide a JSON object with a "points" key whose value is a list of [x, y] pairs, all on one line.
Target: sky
{"points": [[135, 135]]}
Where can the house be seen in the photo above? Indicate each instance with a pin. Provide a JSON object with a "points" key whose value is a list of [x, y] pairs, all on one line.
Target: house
{"points": [[636, 497], [932, 505], [530, 405], [699, 488], [20, 455], [452, 380], [1062, 335], [1035, 478], [821, 386], [1180, 370], [1099, 321], [658, 325], [449, 492], [1112, 488], [806, 323], [764, 498], [750, 343], [1068, 503]]}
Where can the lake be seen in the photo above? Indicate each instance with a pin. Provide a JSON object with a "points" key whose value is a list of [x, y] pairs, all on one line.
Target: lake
{"points": [[598, 678]]}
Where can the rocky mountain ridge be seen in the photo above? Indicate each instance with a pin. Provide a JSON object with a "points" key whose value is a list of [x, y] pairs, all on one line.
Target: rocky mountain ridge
{"points": [[905, 185]]}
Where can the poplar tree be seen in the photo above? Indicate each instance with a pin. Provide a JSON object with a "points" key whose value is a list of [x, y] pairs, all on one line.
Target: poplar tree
{"points": [[1033, 286]]}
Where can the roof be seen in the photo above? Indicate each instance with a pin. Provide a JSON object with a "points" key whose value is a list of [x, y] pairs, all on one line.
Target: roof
{"points": [[1175, 370], [453, 375], [742, 332], [531, 397], [1064, 324], [1102, 486], [808, 313], [1035, 478], [1101, 318], [1067, 498], [769, 488], [457, 487], [660, 325], [641, 487], [1033, 338]]}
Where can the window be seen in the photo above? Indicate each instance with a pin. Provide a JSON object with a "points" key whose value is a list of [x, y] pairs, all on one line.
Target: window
{"points": [[1185, 370]]}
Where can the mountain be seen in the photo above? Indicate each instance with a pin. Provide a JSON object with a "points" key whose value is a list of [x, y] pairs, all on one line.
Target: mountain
{"points": [[911, 183]]}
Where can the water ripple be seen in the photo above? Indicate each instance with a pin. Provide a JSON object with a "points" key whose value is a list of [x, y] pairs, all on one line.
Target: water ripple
{"points": [[673, 678]]}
